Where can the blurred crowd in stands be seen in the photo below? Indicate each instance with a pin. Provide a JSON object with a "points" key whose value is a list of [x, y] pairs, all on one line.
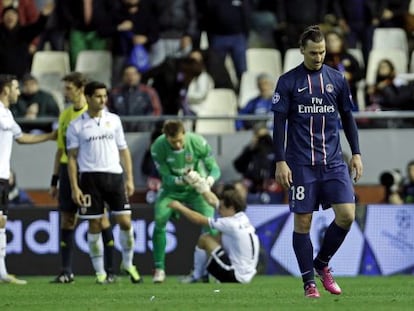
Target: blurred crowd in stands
{"points": [[166, 56]]}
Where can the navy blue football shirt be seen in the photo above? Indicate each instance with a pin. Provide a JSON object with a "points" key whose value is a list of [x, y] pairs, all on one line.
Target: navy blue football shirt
{"points": [[312, 101]]}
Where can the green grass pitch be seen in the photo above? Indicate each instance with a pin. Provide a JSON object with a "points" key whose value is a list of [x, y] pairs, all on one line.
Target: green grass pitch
{"points": [[264, 293]]}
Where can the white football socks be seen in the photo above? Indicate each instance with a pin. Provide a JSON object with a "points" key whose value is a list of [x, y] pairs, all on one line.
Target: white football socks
{"points": [[200, 262], [3, 241], [96, 252], [126, 239]]}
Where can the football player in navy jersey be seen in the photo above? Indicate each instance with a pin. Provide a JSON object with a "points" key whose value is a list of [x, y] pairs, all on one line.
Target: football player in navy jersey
{"points": [[310, 98]]}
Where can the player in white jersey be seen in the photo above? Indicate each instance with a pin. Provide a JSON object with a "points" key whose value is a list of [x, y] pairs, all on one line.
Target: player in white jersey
{"points": [[98, 152], [234, 254], [9, 131]]}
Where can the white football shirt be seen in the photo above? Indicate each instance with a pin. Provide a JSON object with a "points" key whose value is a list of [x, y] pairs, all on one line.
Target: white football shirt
{"points": [[9, 130], [98, 141], [240, 242]]}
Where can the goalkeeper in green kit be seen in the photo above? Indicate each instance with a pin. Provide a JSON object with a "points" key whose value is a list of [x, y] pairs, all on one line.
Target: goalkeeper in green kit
{"points": [[187, 169]]}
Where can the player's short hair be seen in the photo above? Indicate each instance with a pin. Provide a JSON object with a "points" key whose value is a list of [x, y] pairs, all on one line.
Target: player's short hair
{"points": [[77, 78], [6, 80], [92, 86], [172, 128], [233, 198], [312, 33]]}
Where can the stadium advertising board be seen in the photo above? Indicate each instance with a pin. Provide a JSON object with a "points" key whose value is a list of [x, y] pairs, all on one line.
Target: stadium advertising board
{"points": [[381, 241]]}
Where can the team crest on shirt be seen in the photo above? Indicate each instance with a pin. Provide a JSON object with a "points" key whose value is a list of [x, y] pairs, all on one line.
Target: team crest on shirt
{"points": [[329, 88], [276, 98], [108, 124], [188, 157]]}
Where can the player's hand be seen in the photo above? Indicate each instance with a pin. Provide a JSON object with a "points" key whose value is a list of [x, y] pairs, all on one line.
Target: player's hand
{"points": [[192, 177], [53, 191], [201, 186], [210, 181], [356, 166], [78, 197], [283, 174], [129, 188]]}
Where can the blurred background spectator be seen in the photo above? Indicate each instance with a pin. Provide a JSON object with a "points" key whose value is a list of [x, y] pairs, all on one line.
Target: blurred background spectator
{"points": [[130, 24], [260, 105], [358, 19], [133, 98], [339, 58], [295, 15], [228, 24], [389, 91], [399, 189], [177, 25], [15, 54], [263, 23], [86, 20], [34, 102], [200, 83], [256, 163], [393, 13]]}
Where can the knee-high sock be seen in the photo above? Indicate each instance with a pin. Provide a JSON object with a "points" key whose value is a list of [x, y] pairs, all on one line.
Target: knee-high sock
{"points": [[3, 242], [159, 242], [66, 249], [200, 261], [303, 248], [96, 252], [108, 242], [126, 239], [334, 237]]}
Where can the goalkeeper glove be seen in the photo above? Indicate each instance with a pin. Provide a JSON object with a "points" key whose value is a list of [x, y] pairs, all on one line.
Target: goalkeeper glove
{"points": [[192, 177], [201, 186]]}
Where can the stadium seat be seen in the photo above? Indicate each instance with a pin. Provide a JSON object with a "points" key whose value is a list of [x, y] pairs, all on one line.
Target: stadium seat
{"points": [[264, 60], [49, 67], [412, 62], [248, 87], [293, 57], [96, 65], [357, 53], [50, 61], [397, 56], [390, 38], [219, 102]]}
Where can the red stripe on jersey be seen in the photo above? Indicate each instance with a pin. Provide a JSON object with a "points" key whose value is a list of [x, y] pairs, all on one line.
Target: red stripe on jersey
{"points": [[321, 83], [323, 140], [310, 84], [311, 138]]}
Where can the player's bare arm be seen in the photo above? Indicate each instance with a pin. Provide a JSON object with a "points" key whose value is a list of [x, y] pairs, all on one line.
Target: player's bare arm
{"points": [[356, 166], [35, 139], [125, 157], [283, 174], [77, 194], [192, 216]]}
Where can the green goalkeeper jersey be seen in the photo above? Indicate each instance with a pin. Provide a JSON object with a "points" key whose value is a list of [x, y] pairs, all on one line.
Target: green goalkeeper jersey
{"points": [[172, 164]]}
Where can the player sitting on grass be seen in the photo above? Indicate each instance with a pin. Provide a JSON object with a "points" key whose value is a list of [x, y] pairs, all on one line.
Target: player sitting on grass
{"points": [[231, 256]]}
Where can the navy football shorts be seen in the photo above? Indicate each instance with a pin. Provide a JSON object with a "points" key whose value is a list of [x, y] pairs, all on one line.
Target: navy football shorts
{"points": [[320, 185]]}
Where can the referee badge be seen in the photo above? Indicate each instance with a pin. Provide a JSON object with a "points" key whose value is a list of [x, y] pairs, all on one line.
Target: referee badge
{"points": [[83, 210]]}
